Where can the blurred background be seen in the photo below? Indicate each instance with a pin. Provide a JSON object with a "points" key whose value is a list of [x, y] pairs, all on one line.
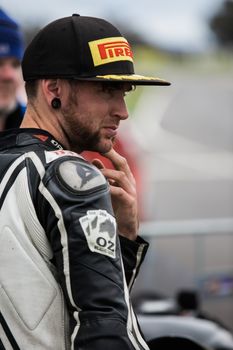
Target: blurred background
{"points": [[178, 139]]}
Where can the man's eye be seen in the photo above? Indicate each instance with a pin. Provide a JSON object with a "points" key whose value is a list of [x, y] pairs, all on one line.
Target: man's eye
{"points": [[109, 89], [112, 88]]}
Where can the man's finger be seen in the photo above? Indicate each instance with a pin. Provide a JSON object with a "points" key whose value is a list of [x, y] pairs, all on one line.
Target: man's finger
{"points": [[119, 178], [97, 162], [120, 163]]}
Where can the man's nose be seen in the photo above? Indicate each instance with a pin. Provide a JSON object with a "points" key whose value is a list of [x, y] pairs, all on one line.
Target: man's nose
{"points": [[7, 72], [120, 108]]}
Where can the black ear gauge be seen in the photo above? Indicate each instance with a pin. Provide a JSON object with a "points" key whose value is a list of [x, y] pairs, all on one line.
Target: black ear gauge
{"points": [[56, 103]]}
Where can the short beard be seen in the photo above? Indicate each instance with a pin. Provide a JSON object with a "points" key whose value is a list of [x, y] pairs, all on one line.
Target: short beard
{"points": [[79, 136]]}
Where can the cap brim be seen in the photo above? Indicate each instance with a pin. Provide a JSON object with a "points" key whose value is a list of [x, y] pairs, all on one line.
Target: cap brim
{"points": [[131, 78]]}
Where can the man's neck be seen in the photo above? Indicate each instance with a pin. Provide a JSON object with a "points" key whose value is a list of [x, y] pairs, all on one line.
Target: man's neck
{"points": [[33, 119]]}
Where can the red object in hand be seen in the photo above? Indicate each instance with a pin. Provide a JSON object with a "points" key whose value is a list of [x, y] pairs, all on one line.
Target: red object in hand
{"points": [[120, 148]]}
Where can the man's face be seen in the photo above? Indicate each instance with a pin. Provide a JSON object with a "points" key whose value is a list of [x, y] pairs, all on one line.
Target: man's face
{"points": [[10, 75], [92, 113]]}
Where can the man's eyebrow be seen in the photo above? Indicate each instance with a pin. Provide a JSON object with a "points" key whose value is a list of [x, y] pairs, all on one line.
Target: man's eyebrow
{"points": [[117, 86]]}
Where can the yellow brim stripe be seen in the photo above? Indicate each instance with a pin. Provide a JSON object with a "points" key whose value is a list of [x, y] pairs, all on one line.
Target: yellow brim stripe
{"points": [[134, 78]]}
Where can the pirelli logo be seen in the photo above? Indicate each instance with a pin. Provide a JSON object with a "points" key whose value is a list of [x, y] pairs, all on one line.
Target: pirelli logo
{"points": [[110, 50]]}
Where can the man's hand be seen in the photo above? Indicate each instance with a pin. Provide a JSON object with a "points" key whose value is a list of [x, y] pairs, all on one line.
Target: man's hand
{"points": [[123, 193]]}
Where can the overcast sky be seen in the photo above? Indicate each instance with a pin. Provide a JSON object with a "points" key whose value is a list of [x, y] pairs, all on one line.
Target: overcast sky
{"points": [[174, 23]]}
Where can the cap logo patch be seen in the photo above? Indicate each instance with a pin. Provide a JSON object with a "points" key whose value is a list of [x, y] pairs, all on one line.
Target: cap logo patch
{"points": [[110, 50]]}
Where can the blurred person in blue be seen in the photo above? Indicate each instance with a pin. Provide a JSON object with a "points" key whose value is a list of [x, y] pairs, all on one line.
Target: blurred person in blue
{"points": [[11, 52]]}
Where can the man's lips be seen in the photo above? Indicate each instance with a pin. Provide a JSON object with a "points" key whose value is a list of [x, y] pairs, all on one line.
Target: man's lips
{"points": [[111, 130]]}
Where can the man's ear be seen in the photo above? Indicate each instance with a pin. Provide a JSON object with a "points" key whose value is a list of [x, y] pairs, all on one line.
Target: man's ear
{"points": [[51, 89]]}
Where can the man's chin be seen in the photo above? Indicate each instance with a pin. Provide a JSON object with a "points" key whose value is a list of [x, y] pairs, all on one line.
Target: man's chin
{"points": [[105, 149], [105, 146]]}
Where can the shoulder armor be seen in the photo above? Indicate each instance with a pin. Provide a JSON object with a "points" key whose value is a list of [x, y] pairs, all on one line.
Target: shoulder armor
{"points": [[79, 176]]}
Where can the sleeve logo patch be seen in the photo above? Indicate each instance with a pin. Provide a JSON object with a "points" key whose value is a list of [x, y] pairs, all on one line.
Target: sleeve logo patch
{"points": [[99, 228], [80, 177]]}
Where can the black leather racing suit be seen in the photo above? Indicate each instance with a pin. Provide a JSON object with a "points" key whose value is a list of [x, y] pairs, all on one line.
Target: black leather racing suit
{"points": [[62, 281]]}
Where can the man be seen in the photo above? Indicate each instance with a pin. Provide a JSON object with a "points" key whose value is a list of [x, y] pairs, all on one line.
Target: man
{"points": [[189, 304], [11, 51], [68, 231]]}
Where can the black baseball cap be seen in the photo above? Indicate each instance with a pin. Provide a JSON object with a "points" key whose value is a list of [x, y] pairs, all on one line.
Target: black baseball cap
{"points": [[82, 48]]}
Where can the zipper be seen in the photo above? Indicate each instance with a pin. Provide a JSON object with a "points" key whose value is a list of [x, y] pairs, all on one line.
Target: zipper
{"points": [[65, 321]]}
